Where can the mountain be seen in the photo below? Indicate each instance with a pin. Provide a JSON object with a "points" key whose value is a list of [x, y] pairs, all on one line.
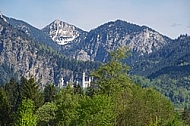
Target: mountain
{"points": [[68, 37], [32, 32], [175, 57], [168, 71], [62, 33], [20, 55], [96, 44], [148, 47], [140, 39]]}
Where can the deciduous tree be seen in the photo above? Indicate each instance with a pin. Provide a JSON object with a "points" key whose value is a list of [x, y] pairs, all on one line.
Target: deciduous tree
{"points": [[25, 114]]}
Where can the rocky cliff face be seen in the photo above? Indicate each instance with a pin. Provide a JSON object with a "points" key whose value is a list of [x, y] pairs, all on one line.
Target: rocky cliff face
{"points": [[20, 54], [140, 39]]}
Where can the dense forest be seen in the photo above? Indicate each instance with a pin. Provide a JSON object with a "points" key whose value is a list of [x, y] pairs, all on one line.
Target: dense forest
{"points": [[167, 71], [114, 98]]}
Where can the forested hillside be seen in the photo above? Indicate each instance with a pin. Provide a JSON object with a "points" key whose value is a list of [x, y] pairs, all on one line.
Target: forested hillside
{"points": [[113, 99], [168, 71]]}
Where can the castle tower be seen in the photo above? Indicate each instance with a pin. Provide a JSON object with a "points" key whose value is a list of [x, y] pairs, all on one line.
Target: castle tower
{"points": [[89, 81], [62, 81], [83, 80], [85, 84], [61, 84]]}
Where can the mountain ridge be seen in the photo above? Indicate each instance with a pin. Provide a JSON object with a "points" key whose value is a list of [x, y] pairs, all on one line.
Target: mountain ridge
{"points": [[79, 44], [31, 31]]}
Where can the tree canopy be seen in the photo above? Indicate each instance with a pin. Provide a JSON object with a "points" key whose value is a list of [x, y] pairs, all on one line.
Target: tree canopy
{"points": [[114, 99]]}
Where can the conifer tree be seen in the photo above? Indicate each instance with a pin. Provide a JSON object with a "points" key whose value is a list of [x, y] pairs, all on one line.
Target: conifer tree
{"points": [[12, 90], [5, 109], [29, 89], [49, 93]]}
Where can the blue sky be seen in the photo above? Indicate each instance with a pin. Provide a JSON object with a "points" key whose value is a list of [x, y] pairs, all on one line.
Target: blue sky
{"points": [[169, 17]]}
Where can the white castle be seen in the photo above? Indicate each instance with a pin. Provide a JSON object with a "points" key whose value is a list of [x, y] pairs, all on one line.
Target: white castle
{"points": [[84, 83]]}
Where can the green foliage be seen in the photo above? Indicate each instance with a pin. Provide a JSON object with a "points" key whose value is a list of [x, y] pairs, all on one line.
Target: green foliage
{"points": [[186, 116], [25, 114], [9, 102], [112, 76], [29, 89], [176, 90], [78, 89], [148, 106], [112, 100], [49, 93], [95, 111], [46, 114], [12, 91], [67, 103], [132, 104], [5, 108]]}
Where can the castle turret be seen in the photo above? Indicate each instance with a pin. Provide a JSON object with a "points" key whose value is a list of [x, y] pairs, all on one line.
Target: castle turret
{"points": [[61, 84], [85, 84]]}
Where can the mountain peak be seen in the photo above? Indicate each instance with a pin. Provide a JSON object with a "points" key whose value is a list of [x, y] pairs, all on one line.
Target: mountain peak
{"points": [[61, 32], [121, 26], [57, 21]]}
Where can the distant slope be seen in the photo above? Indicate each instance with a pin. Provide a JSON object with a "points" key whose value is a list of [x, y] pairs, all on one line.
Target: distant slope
{"points": [[168, 71], [173, 59]]}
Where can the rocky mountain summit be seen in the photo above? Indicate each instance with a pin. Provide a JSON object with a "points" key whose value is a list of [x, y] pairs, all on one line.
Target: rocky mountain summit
{"points": [[2, 17], [140, 39], [62, 33], [173, 59]]}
